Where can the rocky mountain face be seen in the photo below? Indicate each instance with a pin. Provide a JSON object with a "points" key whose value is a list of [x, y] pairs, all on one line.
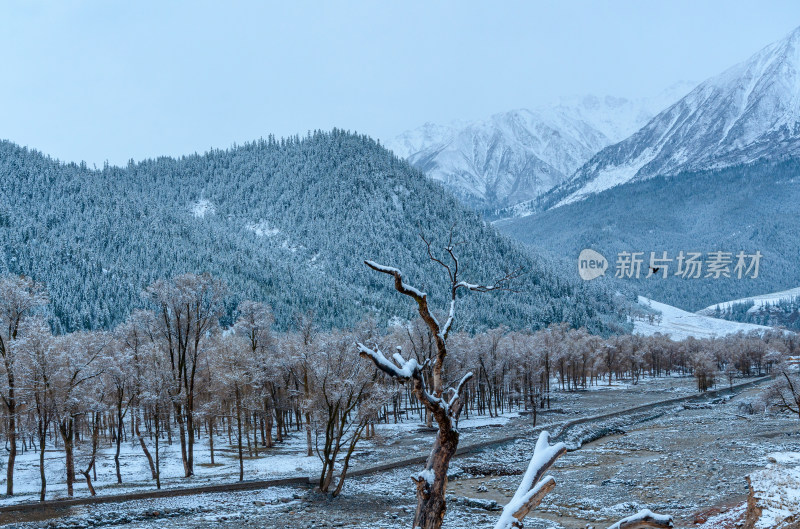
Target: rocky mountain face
{"points": [[515, 156], [749, 112]]}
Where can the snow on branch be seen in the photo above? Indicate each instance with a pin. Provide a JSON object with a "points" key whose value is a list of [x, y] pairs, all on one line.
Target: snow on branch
{"points": [[404, 370], [401, 287], [457, 390], [500, 284], [533, 487], [644, 518]]}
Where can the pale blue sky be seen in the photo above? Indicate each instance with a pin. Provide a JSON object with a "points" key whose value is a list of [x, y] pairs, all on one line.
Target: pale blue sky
{"points": [[100, 80]]}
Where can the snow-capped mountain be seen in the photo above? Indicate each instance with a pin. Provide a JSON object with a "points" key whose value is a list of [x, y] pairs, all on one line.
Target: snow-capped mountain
{"points": [[751, 111], [516, 156]]}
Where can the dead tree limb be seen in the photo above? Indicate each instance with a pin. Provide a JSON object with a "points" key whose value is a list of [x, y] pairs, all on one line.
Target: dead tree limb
{"points": [[533, 487]]}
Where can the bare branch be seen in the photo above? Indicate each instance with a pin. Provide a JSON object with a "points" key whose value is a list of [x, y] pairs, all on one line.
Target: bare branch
{"points": [[404, 371], [534, 498], [437, 260], [455, 404], [401, 287], [466, 378], [501, 284], [407, 368]]}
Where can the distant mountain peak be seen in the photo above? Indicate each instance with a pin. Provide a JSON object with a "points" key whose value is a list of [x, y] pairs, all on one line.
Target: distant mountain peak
{"points": [[515, 156], [750, 111]]}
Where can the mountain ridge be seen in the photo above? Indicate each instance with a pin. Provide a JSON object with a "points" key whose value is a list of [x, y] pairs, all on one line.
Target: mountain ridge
{"points": [[515, 156], [288, 222], [749, 112]]}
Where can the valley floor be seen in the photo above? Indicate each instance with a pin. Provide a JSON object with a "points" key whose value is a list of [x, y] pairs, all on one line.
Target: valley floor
{"points": [[676, 459]]}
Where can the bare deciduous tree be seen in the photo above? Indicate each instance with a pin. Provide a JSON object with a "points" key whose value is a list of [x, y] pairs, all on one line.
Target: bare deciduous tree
{"points": [[346, 397], [784, 393], [19, 297], [189, 307], [39, 371], [444, 404], [77, 360]]}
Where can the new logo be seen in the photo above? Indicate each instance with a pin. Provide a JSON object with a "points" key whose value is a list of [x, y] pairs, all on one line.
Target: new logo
{"points": [[591, 265]]}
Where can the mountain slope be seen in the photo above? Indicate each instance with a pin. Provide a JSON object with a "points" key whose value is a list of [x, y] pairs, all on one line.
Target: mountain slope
{"points": [[289, 222], [756, 302], [747, 208], [749, 112], [515, 156], [679, 324], [509, 158], [780, 309]]}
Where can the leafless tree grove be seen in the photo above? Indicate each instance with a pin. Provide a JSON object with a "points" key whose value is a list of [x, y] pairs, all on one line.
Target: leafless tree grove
{"points": [[172, 374]]}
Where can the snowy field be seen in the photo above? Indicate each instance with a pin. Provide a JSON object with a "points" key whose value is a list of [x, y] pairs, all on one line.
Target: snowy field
{"points": [[677, 460], [758, 301], [680, 324], [284, 460]]}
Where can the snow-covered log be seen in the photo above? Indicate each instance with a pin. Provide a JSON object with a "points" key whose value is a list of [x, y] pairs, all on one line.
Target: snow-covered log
{"points": [[644, 518], [533, 487]]}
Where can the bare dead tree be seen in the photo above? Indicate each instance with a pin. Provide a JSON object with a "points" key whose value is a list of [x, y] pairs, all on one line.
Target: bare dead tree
{"points": [[535, 486], [444, 404]]}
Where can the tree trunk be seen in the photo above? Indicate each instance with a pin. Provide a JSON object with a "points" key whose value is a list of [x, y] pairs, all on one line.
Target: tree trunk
{"points": [[95, 438], [190, 435], [157, 469], [309, 451], [346, 463], [211, 438], [149, 457], [11, 404], [278, 426], [182, 433], [119, 440], [239, 432], [42, 440], [66, 427], [431, 501]]}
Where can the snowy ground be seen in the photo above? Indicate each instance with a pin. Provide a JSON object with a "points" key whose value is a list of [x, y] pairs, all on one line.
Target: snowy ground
{"points": [[680, 324], [678, 461], [758, 301], [777, 489], [284, 460]]}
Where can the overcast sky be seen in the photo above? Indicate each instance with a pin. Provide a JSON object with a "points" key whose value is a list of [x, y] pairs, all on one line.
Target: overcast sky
{"points": [[100, 80]]}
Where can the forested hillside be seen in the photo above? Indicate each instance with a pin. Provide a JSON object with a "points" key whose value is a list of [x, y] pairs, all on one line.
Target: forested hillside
{"points": [[746, 208], [284, 221]]}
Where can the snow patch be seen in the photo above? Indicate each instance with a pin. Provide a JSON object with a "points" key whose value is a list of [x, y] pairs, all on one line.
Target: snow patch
{"points": [[262, 229], [776, 490], [758, 301], [202, 207], [679, 324]]}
